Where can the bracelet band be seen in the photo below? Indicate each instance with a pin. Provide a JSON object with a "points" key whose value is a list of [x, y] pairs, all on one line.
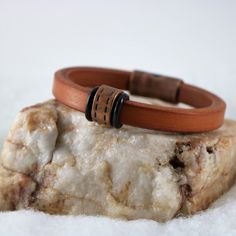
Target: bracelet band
{"points": [[99, 93]]}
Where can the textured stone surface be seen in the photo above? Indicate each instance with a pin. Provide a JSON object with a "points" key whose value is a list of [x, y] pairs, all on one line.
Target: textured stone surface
{"points": [[56, 161]]}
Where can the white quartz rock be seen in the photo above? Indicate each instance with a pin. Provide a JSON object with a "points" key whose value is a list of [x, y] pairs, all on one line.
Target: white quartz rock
{"points": [[56, 161]]}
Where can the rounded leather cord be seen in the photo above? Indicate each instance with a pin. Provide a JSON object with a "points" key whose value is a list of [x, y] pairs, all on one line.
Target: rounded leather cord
{"points": [[72, 87]]}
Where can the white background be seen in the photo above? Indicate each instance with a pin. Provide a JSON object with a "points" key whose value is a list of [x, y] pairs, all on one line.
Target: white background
{"points": [[194, 40]]}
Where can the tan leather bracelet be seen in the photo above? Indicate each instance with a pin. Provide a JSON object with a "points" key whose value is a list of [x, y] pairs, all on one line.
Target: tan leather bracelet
{"points": [[99, 93]]}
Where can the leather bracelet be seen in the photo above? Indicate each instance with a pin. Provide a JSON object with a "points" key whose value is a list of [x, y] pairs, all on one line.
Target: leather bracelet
{"points": [[99, 93]]}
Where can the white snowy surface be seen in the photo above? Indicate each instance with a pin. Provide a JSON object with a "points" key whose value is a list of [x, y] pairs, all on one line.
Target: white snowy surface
{"points": [[194, 40]]}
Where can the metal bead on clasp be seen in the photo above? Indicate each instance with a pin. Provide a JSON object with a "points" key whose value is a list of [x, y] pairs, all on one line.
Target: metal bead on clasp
{"points": [[104, 105]]}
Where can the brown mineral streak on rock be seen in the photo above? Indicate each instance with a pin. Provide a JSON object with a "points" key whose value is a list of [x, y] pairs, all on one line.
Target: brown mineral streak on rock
{"points": [[122, 196], [130, 173], [18, 145], [31, 107], [36, 119]]}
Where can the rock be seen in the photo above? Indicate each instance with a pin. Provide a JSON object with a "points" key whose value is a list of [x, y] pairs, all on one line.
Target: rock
{"points": [[55, 161]]}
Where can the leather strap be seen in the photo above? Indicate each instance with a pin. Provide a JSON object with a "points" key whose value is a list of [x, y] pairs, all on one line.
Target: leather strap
{"points": [[72, 87]]}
